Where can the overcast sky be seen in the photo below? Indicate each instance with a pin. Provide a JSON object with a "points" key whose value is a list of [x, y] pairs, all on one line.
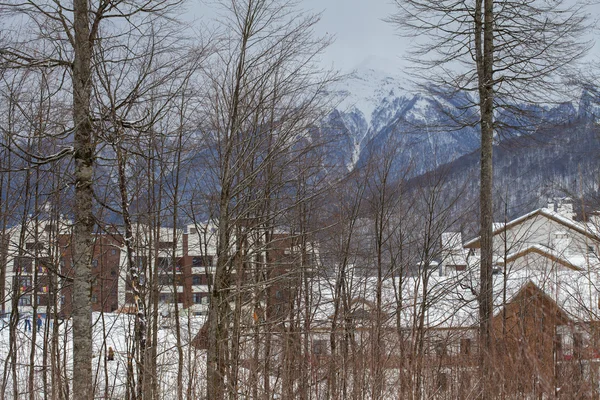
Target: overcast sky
{"points": [[358, 29], [357, 26], [360, 34]]}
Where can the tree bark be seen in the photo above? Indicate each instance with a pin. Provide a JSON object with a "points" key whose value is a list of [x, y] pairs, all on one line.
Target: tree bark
{"points": [[484, 39], [83, 213]]}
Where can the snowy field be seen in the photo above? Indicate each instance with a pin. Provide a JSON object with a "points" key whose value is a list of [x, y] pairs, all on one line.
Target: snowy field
{"points": [[110, 331]]}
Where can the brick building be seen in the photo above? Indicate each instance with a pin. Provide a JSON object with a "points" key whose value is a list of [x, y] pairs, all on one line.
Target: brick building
{"points": [[38, 267]]}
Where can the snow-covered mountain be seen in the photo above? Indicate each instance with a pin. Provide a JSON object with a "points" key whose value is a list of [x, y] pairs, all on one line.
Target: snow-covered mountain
{"points": [[378, 112]]}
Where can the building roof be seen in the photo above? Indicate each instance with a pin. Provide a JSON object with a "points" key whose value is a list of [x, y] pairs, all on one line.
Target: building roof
{"points": [[545, 212], [544, 251]]}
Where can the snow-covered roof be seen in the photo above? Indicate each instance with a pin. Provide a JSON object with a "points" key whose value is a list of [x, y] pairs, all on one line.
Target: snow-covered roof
{"points": [[545, 212], [575, 263], [450, 302]]}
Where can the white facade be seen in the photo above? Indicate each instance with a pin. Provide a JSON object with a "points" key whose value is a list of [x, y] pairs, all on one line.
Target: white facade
{"points": [[32, 251], [544, 235]]}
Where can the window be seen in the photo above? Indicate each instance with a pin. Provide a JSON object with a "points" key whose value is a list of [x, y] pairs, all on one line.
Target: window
{"points": [[94, 263], [319, 347], [25, 300], [42, 299], [164, 263], [440, 348], [23, 265], [197, 298], [140, 262], [465, 346], [166, 297], [196, 280], [577, 344], [165, 245], [442, 381], [165, 280], [558, 342], [24, 283], [113, 251], [34, 246], [94, 298], [204, 261]]}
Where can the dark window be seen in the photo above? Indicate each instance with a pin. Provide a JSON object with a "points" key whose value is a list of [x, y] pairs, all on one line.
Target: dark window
{"points": [[140, 262], [165, 279], [94, 263], [49, 228], [197, 298], [24, 283], [559, 345], [25, 300], [34, 246], [94, 298], [165, 245], [465, 346], [440, 349], [166, 297], [319, 347], [577, 344], [42, 300], [23, 265], [204, 261], [442, 381], [204, 279], [164, 263], [113, 251]]}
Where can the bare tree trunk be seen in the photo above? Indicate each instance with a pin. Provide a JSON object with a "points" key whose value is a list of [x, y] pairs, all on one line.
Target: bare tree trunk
{"points": [[83, 213], [485, 61], [34, 300], [175, 205]]}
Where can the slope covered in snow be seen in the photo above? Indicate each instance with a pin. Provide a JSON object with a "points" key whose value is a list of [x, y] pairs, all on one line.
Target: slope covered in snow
{"points": [[376, 107]]}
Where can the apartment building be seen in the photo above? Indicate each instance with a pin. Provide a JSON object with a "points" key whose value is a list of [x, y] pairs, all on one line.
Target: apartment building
{"points": [[37, 271]]}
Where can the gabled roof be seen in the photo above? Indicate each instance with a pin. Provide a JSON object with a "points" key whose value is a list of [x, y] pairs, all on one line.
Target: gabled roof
{"points": [[545, 252], [545, 212], [530, 291]]}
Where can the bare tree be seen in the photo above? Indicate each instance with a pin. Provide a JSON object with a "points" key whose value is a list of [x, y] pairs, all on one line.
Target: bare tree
{"points": [[264, 92], [66, 39], [502, 51]]}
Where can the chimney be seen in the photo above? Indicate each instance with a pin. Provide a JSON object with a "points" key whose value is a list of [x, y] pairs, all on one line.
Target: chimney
{"points": [[565, 208]]}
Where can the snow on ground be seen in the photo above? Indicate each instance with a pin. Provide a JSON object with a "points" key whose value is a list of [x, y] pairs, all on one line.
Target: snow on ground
{"points": [[110, 376]]}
